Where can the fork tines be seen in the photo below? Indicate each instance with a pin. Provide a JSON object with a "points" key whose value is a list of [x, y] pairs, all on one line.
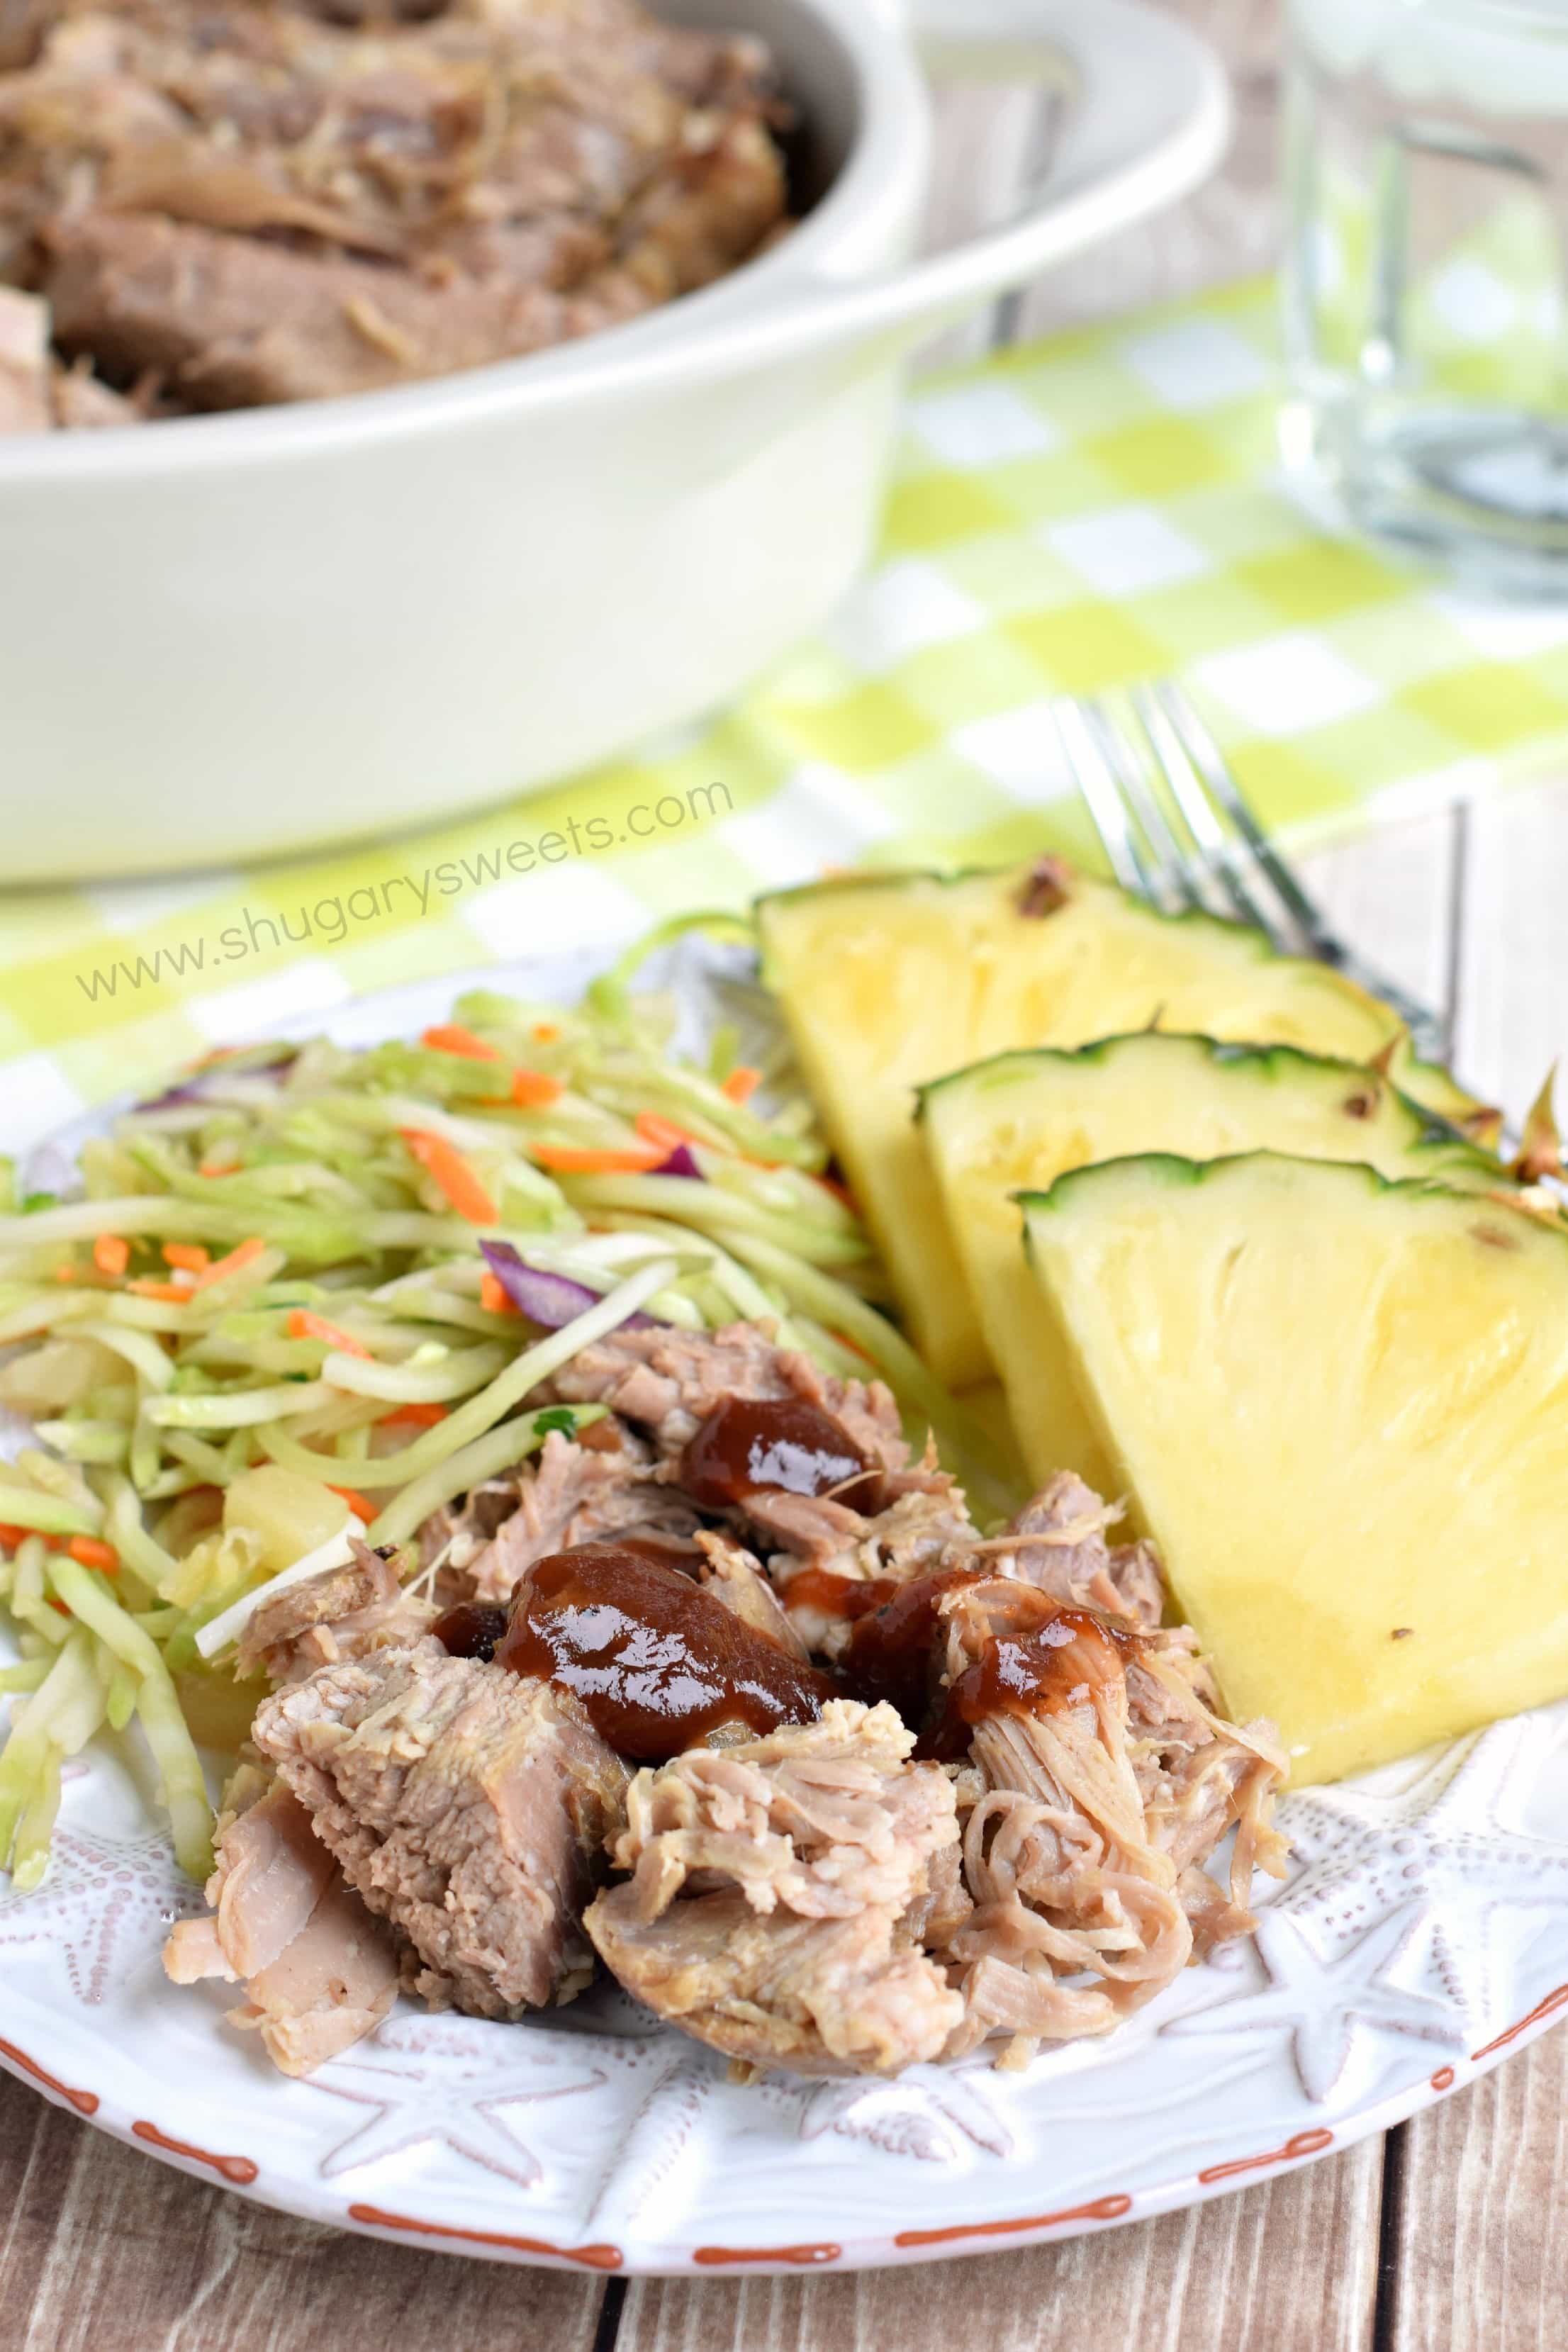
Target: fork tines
{"points": [[1179, 832], [1173, 819]]}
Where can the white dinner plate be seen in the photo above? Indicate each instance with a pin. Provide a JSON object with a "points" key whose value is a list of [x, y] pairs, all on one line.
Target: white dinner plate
{"points": [[1421, 1936]]}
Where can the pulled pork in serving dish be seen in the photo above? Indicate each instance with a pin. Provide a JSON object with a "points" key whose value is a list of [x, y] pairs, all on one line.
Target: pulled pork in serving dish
{"points": [[220, 204], [729, 1690]]}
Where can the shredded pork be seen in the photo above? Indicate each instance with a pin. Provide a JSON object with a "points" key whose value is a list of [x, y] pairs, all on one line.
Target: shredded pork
{"points": [[577, 1494], [776, 1888], [1056, 1542], [731, 1575], [343, 1612], [1077, 1838], [669, 1382], [37, 391], [815, 1899], [251, 201]]}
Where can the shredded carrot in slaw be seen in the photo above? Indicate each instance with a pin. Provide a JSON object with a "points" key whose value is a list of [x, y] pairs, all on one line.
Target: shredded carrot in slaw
{"points": [[662, 1134], [452, 1175], [304, 1325], [451, 1037], [243, 1254], [420, 1416], [357, 1502], [111, 1254], [853, 1345], [569, 1160], [742, 1083], [92, 1552]]}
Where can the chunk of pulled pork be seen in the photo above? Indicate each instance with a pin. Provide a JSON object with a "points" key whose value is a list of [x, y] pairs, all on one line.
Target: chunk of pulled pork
{"points": [[777, 1890], [468, 1805], [574, 1495], [733, 1577], [814, 1898], [343, 1612], [318, 1971], [670, 1380], [1199, 1775], [830, 1550], [1057, 1542], [270, 203], [36, 393], [1078, 1842], [24, 363], [618, 1481]]}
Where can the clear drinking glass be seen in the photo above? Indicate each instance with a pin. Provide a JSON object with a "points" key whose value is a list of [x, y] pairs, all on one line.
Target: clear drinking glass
{"points": [[1426, 324]]}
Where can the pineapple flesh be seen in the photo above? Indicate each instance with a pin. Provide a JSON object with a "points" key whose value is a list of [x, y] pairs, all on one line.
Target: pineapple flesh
{"points": [[1021, 1121], [1340, 1407], [887, 981]]}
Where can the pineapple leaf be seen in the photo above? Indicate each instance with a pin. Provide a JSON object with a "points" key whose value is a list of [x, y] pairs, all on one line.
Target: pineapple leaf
{"points": [[1541, 1153]]}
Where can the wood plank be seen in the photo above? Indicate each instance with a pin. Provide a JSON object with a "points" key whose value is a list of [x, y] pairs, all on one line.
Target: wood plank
{"points": [[985, 146], [992, 142], [1478, 2265], [1292, 2265], [1391, 894], [103, 2250], [1482, 2256], [1513, 967], [1228, 228]]}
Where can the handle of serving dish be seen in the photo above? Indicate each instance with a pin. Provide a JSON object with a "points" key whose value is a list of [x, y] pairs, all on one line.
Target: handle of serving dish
{"points": [[1149, 115]]}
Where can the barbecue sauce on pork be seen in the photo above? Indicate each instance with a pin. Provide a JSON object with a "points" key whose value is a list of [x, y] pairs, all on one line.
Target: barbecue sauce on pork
{"points": [[895, 1636], [1070, 1657], [749, 1445], [656, 1662], [471, 1630]]}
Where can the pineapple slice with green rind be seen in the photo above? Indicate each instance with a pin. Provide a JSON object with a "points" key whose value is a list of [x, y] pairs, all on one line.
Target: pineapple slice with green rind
{"points": [[887, 981], [1020, 1121], [1340, 1408]]}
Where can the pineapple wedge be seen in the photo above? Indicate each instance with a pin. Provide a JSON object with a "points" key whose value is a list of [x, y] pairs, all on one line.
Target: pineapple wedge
{"points": [[888, 981], [1021, 1121], [1340, 1407]]}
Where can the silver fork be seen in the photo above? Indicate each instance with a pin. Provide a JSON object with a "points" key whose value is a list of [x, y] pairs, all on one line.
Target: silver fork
{"points": [[1178, 832]]}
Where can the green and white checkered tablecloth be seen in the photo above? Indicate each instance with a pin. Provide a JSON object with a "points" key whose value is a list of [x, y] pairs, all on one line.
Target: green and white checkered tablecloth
{"points": [[1073, 516]]}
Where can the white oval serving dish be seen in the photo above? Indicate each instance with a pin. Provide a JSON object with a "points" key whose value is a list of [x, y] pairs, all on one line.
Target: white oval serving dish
{"points": [[234, 636]]}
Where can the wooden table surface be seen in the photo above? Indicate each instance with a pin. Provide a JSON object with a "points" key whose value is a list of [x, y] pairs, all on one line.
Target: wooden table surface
{"points": [[1439, 2237]]}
